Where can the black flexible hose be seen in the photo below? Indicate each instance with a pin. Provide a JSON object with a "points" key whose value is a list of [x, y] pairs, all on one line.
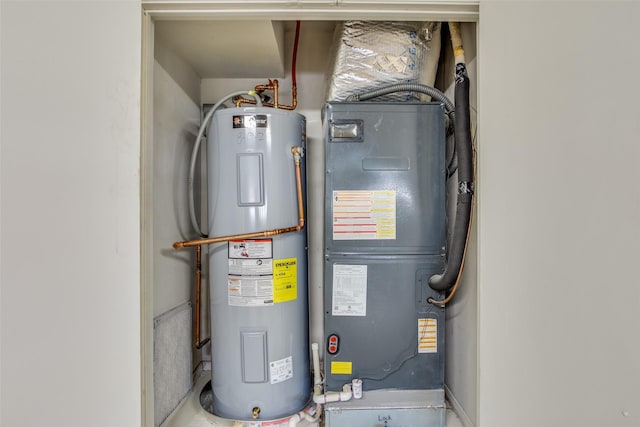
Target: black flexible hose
{"points": [[462, 132]]}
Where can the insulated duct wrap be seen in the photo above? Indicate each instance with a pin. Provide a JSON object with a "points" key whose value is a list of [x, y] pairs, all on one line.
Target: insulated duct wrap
{"points": [[369, 55]]}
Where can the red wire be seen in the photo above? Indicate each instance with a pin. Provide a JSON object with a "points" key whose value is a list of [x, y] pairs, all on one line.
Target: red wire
{"points": [[295, 54]]}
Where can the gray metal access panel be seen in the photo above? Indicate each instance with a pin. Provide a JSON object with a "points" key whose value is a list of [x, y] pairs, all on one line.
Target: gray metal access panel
{"points": [[385, 232]]}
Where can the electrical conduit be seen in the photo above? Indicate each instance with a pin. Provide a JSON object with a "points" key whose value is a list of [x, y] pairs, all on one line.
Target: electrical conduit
{"points": [[318, 397], [196, 149]]}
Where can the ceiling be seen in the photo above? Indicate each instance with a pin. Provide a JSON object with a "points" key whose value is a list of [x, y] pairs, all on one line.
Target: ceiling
{"points": [[225, 49]]}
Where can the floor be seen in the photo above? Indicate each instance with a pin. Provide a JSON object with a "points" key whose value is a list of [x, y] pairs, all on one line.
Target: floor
{"points": [[190, 414]]}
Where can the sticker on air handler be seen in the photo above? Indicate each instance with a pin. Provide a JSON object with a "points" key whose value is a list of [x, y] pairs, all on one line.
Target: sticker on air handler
{"points": [[341, 368], [427, 335], [364, 215], [349, 296]]}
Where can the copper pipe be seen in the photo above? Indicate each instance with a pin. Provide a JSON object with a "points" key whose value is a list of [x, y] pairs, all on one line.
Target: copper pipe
{"points": [[258, 234], [262, 88], [297, 153], [294, 97], [199, 344], [275, 93], [274, 85], [198, 288]]}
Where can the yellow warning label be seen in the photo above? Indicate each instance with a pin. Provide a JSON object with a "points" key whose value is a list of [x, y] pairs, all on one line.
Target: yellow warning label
{"points": [[285, 280], [427, 335], [341, 368]]}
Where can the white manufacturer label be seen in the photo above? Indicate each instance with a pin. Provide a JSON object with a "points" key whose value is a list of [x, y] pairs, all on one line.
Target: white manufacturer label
{"points": [[364, 215], [250, 267], [249, 291], [427, 335], [281, 370], [250, 280], [349, 290]]}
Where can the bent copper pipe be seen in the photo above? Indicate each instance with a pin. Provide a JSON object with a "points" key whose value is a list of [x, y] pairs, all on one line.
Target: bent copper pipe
{"points": [[297, 154], [272, 86]]}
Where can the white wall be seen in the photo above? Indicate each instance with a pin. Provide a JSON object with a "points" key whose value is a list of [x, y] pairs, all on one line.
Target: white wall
{"points": [[176, 121], [461, 364], [70, 308], [559, 214]]}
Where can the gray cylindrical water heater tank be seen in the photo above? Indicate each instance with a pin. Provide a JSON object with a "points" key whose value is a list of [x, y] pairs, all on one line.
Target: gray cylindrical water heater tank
{"points": [[259, 307]]}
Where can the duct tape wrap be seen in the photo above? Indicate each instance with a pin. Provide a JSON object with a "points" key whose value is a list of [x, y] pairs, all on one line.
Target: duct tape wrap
{"points": [[369, 55]]}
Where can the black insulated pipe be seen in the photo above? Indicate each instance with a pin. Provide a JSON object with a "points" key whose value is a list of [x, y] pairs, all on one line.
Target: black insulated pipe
{"points": [[464, 150]]}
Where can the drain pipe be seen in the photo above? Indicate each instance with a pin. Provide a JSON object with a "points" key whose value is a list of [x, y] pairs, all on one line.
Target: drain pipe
{"points": [[317, 389], [295, 419], [334, 396], [318, 397]]}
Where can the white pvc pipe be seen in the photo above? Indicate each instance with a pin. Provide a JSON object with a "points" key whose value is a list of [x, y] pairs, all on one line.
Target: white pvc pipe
{"points": [[319, 398], [317, 378], [340, 396], [295, 419]]}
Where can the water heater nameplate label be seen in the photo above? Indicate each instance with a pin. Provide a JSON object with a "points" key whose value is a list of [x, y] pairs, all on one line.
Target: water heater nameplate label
{"points": [[285, 280], [427, 335], [364, 215], [252, 122], [281, 370], [349, 296]]}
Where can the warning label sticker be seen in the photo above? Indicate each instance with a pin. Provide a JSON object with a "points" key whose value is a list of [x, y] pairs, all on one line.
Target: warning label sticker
{"points": [[364, 215], [349, 296], [285, 280], [281, 370], [243, 249], [427, 335]]}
